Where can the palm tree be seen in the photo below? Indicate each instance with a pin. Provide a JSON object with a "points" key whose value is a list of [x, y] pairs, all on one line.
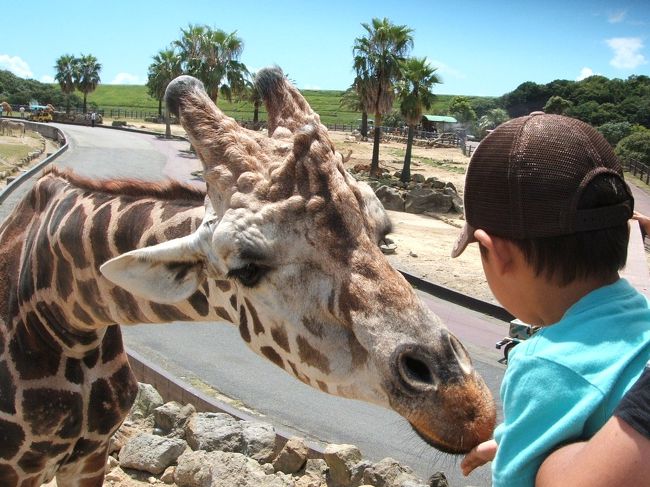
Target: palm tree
{"points": [[212, 55], [377, 61], [65, 68], [253, 96], [87, 75], [492, 119], [353, 99], [165, 67], [414, 92]]}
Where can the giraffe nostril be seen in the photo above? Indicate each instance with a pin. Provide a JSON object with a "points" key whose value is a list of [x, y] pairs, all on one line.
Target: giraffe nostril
{"points": [[414, 371]]}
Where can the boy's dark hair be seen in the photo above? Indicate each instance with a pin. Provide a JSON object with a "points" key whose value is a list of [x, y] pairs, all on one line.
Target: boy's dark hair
{"points": [[590, 254]]}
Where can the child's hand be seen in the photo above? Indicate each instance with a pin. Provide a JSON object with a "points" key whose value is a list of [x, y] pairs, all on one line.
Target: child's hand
{"points": [[480, 455]]}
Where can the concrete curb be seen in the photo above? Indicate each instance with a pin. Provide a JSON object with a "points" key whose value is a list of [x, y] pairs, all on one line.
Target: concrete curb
{"points": [[36, 127]]}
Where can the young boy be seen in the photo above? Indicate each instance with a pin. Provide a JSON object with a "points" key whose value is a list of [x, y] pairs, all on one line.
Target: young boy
{"points": [[546, 201]]}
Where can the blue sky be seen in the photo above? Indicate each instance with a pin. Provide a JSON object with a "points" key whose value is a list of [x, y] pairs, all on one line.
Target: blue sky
{"points": [[479, 47]]}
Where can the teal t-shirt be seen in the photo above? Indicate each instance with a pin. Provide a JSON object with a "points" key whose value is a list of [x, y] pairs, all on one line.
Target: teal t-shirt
{"points": [[564, 383]]}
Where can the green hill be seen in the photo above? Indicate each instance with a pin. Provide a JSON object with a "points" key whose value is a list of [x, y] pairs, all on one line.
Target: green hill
{"points": [[135, 101]]}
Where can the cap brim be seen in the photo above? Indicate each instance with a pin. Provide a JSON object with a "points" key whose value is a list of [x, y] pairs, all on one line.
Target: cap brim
{"points": [[465, 238]]}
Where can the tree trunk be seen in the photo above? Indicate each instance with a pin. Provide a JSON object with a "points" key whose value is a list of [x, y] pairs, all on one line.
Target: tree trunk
{"points": [[159, 107], [374, 165], [364, 125], [67, 104], [256, 113], [168, 128], [85, 95], [406, 170]]}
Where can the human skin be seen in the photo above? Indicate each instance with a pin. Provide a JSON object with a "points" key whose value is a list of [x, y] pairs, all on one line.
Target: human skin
{"points": [[616, 455]]}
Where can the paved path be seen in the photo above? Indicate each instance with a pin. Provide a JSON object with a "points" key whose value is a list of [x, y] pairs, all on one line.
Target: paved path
{"points": [[215, 356]]}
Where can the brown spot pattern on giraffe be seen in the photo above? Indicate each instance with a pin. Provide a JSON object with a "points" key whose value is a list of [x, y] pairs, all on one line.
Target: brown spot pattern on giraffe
{"points": [[279, 335], [310, 356], [272, 355], [7, 390], [52, 412], [257, 324], [243, 325]]}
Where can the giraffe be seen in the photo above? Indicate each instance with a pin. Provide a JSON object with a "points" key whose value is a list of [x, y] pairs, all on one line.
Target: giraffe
{"points": [[283, 243]]}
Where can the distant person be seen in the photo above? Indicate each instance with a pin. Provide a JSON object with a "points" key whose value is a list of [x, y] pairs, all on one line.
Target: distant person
{"points": [[92, 119], [22, 112], [546, 201], [619, 454]]}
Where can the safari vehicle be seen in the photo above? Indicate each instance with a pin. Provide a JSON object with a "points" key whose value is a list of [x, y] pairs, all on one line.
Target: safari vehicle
{"points": [[518, 332]]}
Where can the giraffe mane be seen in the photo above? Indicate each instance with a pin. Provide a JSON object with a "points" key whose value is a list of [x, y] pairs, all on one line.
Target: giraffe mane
{"points": [[168, 190]]}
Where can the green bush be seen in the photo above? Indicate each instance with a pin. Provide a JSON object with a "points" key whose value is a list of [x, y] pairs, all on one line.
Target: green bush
{"points": [[634, 147], [615, 131]]}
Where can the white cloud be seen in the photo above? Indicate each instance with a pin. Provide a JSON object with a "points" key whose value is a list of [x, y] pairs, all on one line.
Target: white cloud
{"points": [[46, 78], [616, 17], [585, 73], [15, 65], [626, 52], [445, 69], [126, 79]]}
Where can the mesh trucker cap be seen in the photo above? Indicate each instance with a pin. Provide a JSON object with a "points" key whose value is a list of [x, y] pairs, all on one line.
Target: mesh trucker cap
{"points": [[525, 180]]}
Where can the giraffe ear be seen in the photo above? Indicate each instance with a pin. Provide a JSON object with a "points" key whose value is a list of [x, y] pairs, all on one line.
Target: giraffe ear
{"points": [[165, 273]]}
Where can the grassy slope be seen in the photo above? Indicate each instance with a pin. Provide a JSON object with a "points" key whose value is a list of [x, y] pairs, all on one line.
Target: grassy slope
{"points": [[325, 103]]}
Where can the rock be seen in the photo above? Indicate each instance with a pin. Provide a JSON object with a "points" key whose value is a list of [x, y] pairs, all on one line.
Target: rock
{"points": [[292, 457], [214, 431], [438, 479], [122, 436], [224, 469], [418, 178], [390, 473], [421, 200], [358, 470], [259, 440], [151, 453], [172, 417], [390, 198], [168, 475], [314, 474], [146, 401], [341, 459]]}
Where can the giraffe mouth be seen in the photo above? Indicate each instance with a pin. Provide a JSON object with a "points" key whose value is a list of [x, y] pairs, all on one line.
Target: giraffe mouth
{"points": [[438, 444]]}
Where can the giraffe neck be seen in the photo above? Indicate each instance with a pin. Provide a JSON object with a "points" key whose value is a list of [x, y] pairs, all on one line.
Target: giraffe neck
{"points": [[62, 300]]}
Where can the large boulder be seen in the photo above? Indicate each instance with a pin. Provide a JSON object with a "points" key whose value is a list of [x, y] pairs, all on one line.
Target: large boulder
{"points": [[225, 469], [341, 460], [390, 473], [146, 401], [214, 431], [292, 457], [151, 453], [259, 440], [390, 197], [422, 200]]}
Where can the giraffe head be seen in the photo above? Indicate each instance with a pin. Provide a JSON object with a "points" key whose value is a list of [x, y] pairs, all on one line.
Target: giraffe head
{"points": [[298, 240]]}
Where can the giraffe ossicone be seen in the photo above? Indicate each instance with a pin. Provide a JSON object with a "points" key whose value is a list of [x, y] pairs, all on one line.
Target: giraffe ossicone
{"points": [[284, 244]]}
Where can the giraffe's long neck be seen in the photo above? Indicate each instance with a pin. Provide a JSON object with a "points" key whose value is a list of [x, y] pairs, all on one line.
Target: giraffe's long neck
{"points": [[68, 233]]}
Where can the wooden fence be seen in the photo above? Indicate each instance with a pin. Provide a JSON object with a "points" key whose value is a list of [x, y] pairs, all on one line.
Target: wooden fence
{"points": [[638, 169]]}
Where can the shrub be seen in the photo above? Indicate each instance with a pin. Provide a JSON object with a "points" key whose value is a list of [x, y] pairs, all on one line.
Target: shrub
{"points": [[634, 147], [615, 131]]}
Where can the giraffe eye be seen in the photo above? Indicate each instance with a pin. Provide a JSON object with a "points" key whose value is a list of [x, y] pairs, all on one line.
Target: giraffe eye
{"points": [[249, 275]]}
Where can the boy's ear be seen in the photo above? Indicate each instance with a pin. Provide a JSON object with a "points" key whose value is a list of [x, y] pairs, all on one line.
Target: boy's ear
{"points": [[500, 253]]}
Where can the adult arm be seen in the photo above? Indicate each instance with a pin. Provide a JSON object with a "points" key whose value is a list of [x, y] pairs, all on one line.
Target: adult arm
{"points": [[616, 455]]}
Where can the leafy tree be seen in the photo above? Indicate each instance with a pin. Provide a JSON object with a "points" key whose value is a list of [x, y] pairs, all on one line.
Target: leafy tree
{"points": [[165, 67], [527, 97], [87, 75], [212, 56], [558, 105], [378, 56], [615, 131], [393, 119], [252, 95], [492, 120], [461, 108], [414, 93], [66, 68], [634, 147], [352, 100]]}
